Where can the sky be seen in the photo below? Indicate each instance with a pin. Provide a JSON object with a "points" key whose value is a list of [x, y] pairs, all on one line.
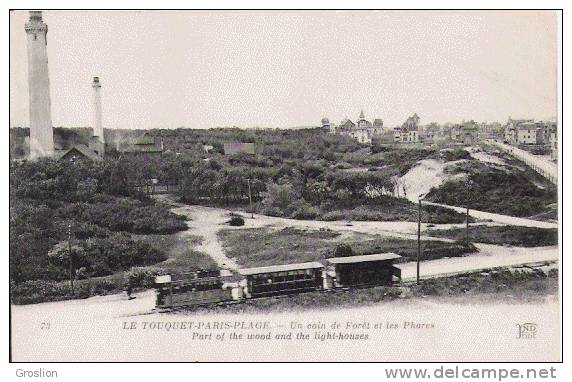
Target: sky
{"points": [[203, 69]]}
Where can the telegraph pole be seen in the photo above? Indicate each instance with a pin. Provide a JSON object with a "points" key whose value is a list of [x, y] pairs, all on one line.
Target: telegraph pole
{"points": [[71, 258], [250, 198], [467, 219], [418, 238]]}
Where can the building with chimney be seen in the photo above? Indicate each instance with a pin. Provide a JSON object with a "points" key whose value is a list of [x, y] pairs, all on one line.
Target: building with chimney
{"points": [[409, 130], [41, 131], [89, 146]]}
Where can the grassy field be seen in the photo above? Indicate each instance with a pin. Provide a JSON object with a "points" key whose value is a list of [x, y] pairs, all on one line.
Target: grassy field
{"points": [[265, 246], [493, 286], [400, 210], [510, 235], [181, 255], [262, 247]]}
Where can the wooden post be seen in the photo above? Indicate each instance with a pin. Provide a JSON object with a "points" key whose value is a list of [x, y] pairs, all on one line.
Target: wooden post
{"points": [[418, 239], [250, 198]]}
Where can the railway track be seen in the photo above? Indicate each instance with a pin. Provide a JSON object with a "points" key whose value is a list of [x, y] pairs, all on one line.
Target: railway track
{"points": [[532, 266]]}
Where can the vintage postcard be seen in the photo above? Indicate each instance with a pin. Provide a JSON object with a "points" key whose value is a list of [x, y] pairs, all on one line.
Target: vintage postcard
{"points": [[284, 185]]}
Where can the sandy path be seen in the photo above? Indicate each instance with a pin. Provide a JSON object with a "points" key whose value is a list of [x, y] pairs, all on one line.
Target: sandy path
{"points": [[489, 256], [487, 158], [498, 218], [206, 222]]}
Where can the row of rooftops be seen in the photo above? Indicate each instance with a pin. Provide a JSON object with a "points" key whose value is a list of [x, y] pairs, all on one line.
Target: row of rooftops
{"points": [[535, 125], [361, 123], [529, 124], [410, 124], [81, 140]]}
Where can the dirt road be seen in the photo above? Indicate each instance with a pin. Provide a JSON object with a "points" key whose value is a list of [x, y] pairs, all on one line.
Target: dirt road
{"points": [[207, 221], [498, 218], [489, 256]]}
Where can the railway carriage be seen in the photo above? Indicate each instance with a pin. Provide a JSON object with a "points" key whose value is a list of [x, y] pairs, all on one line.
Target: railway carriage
{"points": [[364, 270], [282, 279], [195, 289]]}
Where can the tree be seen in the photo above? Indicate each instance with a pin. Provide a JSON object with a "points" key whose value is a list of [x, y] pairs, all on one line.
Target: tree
{"points": [[279, 199], [342, 250], [59, 256], [86, 189]]}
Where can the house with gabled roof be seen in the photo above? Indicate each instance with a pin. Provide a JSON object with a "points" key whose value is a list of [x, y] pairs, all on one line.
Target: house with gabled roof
{"points": [[363, 130], [78, 151]]}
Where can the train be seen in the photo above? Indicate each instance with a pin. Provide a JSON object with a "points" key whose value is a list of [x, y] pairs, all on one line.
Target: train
{"points": [[220, 286]]}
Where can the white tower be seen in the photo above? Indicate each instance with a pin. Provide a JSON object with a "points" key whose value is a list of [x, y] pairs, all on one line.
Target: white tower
{"points": [[41, 131], [97, 123]]}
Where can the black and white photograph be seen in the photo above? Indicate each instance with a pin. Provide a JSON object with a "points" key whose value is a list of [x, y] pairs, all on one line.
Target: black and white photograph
{"points": [[285, 186]]}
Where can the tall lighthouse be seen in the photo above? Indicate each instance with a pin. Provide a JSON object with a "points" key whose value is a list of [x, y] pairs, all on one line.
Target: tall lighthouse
{"points": [[41, 131], [97, 122]]}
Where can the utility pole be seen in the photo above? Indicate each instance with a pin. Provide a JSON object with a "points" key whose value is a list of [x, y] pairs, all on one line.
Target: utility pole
{"points": [[250, 198], [418, 238], [71, 258], [467, 218]]}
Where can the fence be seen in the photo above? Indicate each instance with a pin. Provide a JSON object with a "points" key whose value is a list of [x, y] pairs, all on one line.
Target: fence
{"points": [[156, 188], [542, 166]]}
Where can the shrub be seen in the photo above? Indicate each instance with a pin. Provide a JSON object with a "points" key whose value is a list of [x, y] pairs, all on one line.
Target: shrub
{"points": [[342, 250], [35, 291], [101, 256], [236, 221], [454, 154], [101, 287], [280, 197], [303, 210], [343, 165], [141, 277], [435, 250], [511, 192], [334, 215], [125, 215]]}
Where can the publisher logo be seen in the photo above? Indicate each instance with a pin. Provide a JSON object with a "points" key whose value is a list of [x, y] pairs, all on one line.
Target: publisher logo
{"points": [[526, 330]]}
